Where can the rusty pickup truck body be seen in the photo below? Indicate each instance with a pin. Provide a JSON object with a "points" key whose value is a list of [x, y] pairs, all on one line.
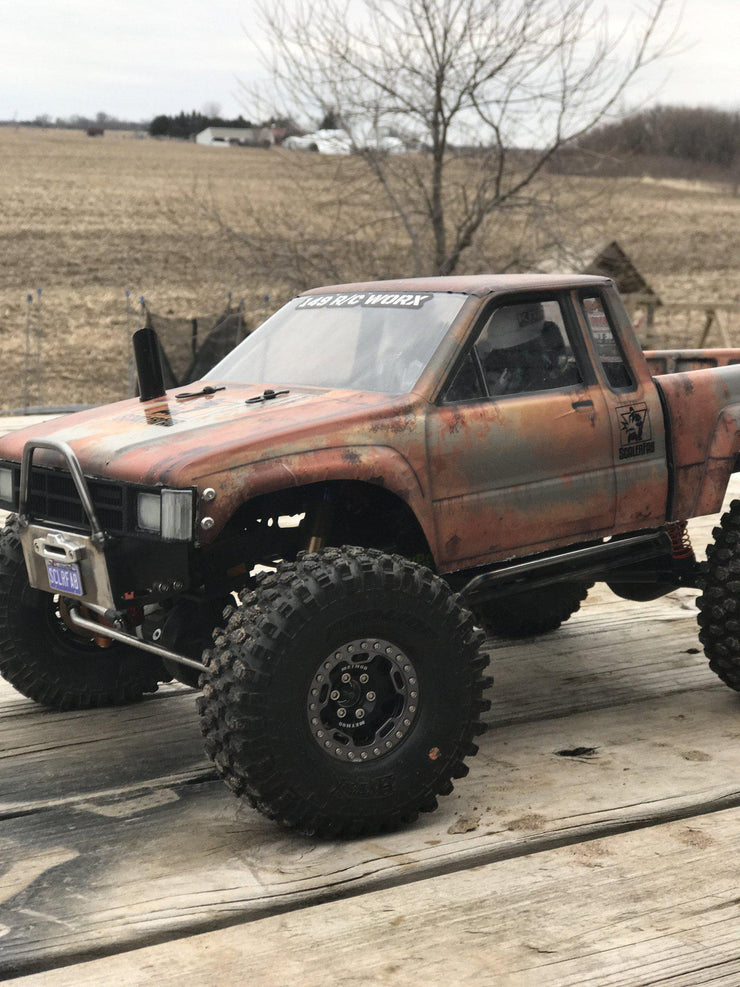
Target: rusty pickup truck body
{"points": [[491, 443]]}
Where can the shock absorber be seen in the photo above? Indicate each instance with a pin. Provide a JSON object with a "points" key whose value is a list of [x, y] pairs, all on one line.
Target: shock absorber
{"points": [[320, 525], [681, 547]]}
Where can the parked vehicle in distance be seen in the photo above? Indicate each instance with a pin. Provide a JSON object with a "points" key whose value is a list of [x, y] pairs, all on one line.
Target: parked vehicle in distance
{"points": [[319, 533]]}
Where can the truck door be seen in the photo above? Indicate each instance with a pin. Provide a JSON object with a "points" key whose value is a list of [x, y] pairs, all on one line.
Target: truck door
{"points": [[634, 409], [520, 444]]}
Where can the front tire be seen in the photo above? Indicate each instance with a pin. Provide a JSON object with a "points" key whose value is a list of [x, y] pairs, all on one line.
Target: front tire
{"points": [[46, 660], [344, 693], [719, 604]]}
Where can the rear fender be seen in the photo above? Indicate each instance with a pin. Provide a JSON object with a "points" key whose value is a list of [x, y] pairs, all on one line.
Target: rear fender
{"points": [[720, 463], [703, 411]]}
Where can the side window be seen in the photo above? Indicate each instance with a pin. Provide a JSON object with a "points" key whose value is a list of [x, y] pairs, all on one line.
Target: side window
{"points": [[525, 347], [606, 344], [467, 384]]}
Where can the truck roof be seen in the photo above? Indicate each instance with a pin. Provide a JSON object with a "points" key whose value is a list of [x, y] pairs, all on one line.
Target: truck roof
{"points": [[473, 284]]}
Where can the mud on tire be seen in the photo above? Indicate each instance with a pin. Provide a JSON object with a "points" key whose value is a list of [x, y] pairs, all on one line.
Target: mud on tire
{"points": [[343, 695], [719, 604], [532, 612], [46, 661]]}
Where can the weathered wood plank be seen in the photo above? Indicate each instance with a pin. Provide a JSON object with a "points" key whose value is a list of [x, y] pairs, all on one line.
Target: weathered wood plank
{"points": [[48, 757], [655, 906], [126, 871]]}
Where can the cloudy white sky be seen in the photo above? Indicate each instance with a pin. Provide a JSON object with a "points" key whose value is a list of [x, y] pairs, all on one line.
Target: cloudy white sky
{"points": [[135, 59]]}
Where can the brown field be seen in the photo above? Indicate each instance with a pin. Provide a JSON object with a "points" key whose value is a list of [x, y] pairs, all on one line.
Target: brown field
{"points": [[86, 219]]}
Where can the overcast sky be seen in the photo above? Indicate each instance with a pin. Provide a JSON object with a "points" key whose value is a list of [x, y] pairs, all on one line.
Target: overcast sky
{"points": [[135, 59]]}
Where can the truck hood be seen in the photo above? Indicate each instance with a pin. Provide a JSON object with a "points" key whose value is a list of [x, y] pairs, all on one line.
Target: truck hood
{"points": [[175, 442]]}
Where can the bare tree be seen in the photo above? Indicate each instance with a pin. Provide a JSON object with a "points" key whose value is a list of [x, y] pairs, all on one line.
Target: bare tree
{"points": [[212, 110], [482, 93]]}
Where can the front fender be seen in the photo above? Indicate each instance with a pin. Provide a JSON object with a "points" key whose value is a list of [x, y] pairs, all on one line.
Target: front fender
{"points": [[377, 465]]}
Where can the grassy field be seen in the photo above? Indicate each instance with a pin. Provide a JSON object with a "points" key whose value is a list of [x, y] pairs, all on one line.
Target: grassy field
{"points": [[86, 219]]}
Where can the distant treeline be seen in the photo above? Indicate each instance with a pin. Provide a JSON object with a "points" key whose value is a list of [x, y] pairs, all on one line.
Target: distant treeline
{"points": [[697, 134], [185, 125], [687, 140], [101, 121]]}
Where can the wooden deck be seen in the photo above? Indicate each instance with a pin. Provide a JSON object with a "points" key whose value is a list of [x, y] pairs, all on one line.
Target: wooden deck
{"points": [[595, 841]]}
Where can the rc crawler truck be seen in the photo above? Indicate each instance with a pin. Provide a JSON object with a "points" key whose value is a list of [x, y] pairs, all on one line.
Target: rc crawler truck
{"points": [[319, 533]]}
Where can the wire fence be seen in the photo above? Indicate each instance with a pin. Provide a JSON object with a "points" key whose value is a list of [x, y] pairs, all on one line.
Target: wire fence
{"points": [[37, 370], [659, 325]]}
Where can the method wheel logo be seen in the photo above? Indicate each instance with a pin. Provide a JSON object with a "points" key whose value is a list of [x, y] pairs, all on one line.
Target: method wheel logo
{"points": [[635, 432]]}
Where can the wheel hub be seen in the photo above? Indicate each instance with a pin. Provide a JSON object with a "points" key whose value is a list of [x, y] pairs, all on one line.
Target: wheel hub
{"points": [[363, 700]]}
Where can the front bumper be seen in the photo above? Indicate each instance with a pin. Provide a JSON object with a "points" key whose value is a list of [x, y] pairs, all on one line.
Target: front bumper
{"points": [[113, 573], [69, 557]]}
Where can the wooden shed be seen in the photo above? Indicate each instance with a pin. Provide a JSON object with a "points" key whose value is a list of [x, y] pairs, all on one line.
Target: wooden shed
{"points": [[608, 259]]}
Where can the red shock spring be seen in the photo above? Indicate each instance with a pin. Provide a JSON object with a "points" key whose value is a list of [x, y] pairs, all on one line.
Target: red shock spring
{"points": [[681, 547]]}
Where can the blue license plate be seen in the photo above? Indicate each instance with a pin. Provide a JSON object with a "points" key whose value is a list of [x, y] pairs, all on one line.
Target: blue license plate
{"points": [[64, 578]]}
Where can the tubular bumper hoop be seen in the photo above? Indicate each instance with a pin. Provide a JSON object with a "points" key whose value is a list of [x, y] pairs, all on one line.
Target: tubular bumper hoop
{"points": [[24, 497]]}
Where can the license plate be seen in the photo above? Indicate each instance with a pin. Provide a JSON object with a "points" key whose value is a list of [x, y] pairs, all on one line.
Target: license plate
{"points": [[64, 578]]}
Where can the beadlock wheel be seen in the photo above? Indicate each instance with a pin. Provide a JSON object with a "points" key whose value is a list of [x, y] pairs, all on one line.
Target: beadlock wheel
{"points": [[343, 694], [363, 700]]}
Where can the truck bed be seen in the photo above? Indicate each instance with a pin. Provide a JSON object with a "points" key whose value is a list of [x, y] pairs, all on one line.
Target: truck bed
{"points": [[678, 361]]}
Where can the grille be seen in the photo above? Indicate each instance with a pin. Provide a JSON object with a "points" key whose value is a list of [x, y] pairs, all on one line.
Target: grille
{"points": [[54, 497]]}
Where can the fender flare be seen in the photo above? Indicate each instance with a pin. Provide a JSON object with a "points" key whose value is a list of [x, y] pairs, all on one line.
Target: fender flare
{"points": [[375, 465]]}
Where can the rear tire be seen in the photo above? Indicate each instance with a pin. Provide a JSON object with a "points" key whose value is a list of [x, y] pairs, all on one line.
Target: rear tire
{"points": [[532, 612], [344, 693], [46, 660], [719, 604]]}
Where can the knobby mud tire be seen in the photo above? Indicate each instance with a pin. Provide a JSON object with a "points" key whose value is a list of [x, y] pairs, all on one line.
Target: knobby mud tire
{"points": [[528, 614], [719, 604], [44, 659], [273, 648]]}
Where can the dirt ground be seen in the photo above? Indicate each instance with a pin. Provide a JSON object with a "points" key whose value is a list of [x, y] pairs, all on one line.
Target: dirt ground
{"points": [[84, 220]]}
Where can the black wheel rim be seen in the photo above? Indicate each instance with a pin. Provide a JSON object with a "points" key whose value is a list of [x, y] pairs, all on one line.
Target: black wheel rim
{"points": [[363, 700]]}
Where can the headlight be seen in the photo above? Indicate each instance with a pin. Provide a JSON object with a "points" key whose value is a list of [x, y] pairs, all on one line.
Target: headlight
{"points": [[177, 514], [169, 514], [6, 486], [149, 512]]}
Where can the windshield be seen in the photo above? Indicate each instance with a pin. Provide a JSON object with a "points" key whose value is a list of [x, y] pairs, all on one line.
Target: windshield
{"points": [[372, 341]]}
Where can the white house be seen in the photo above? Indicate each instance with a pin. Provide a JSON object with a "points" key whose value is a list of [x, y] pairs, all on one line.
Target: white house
{"points": [[225, 136]]}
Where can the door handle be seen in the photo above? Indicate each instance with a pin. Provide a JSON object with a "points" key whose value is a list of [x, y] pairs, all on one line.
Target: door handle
{"points": [[582, 404]]}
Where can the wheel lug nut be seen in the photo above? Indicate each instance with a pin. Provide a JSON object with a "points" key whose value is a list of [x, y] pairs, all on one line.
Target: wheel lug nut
{"points": [[341, 712], [334, 694], [359, 713], [364, 678], [370, 696]]}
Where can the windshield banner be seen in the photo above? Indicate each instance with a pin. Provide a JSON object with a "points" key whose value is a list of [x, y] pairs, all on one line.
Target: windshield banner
{"points": [[367, 299]]}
